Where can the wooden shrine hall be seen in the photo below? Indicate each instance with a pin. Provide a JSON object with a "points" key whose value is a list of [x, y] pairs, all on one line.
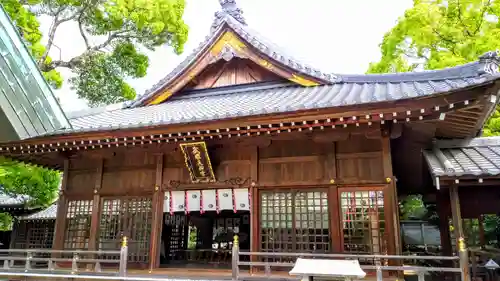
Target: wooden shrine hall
{"points": [[241, 138]]}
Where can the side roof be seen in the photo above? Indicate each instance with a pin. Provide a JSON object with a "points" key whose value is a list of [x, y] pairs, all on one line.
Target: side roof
{"points": [[50, 213], [28, 107], [478, 157]]}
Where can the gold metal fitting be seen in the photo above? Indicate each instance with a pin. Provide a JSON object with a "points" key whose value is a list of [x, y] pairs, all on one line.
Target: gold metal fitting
{"points": [[95, 191], [461, 244], [388, 180], [236, 240], [332, 181], [157, 188], [124, 241]]}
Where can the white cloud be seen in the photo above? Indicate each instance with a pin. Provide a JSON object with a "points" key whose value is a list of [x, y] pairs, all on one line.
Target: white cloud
{"points": [[335, 36]]}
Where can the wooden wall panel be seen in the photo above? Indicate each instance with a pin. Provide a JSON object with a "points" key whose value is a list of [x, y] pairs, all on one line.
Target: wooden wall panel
{"points": [[231, 162], [359, 160], [129, 172], [176, 174], [293, 148], [81, 182], [131, 158], [234, 72], [282, 162], [128, 182], [294, 162], [291, 170], [358, 143], [232, 169], [81, 162], [360, 167]]}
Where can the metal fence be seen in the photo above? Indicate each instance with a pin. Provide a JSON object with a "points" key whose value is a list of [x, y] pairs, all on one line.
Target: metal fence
{"points": [[47, 263], [88, 264], [375, 263]]}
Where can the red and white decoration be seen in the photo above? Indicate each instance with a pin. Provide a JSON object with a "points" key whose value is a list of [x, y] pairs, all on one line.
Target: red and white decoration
{"points": [[207, 200]]}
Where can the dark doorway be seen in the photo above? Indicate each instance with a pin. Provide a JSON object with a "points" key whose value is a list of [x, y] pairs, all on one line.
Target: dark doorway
{"points": [[202, 240]]}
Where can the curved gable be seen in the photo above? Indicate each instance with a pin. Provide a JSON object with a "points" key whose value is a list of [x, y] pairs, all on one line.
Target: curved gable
{"points": [[230, 38]]}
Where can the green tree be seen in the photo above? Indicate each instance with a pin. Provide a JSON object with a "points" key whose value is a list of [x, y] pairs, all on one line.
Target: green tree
{"points": [[412, 207], [35, 186], [123, 28], [435, 34]]}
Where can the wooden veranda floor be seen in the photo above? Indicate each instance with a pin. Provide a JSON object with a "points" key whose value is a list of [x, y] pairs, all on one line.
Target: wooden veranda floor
{"points": [[222, 274]]}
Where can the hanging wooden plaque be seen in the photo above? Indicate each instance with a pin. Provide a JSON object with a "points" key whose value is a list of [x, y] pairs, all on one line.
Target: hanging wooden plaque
{"points": [[198, 162]]}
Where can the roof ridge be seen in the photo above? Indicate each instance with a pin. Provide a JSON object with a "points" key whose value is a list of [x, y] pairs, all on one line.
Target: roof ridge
{"points": [[487, 64], [231, 8], [469, 142], [96, 110]]}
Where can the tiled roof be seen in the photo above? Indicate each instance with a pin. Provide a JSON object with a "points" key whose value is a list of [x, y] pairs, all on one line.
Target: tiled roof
{"points": [[474, 157], [12, 200], [47, 214], [265, 98], [231, 16], [28, 107]]}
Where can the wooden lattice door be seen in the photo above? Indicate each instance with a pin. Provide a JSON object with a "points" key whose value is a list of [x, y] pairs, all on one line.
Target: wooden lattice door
{"points": [[363, 221], [294, 221], [129, 217]]}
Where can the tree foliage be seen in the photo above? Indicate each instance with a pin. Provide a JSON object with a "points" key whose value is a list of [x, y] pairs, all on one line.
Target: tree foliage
{"points": [[412, 207], [33, 185], [435, 34], [122, 27]]}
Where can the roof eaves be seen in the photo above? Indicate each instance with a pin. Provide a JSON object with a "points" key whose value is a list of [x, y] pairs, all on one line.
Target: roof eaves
{"points": [[156, 116]]}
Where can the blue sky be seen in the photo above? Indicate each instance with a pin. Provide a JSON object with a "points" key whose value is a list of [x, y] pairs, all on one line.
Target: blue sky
{"points": [[333, 35]]}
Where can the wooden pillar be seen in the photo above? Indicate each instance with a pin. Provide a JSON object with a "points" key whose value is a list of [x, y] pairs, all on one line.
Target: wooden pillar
{"points": [[60, 225], [254, 205], [96, 206], [482, 238], [459, 232], [443, 207], [335, 225], [157, 218], [390, 198], [15, 231], [333, 201]]}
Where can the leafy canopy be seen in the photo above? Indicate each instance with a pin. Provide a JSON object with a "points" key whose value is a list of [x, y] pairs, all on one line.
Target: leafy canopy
{"points": [[34, 185], [122, 27], [435, 34]]}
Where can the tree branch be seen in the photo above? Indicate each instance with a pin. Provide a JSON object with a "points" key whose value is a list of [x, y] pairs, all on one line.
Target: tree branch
{"points": [[447, 40], [461, 20], [82, 32], [52, 34], [112, 36], [52, 31], [483, 13], [60, 63]]}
